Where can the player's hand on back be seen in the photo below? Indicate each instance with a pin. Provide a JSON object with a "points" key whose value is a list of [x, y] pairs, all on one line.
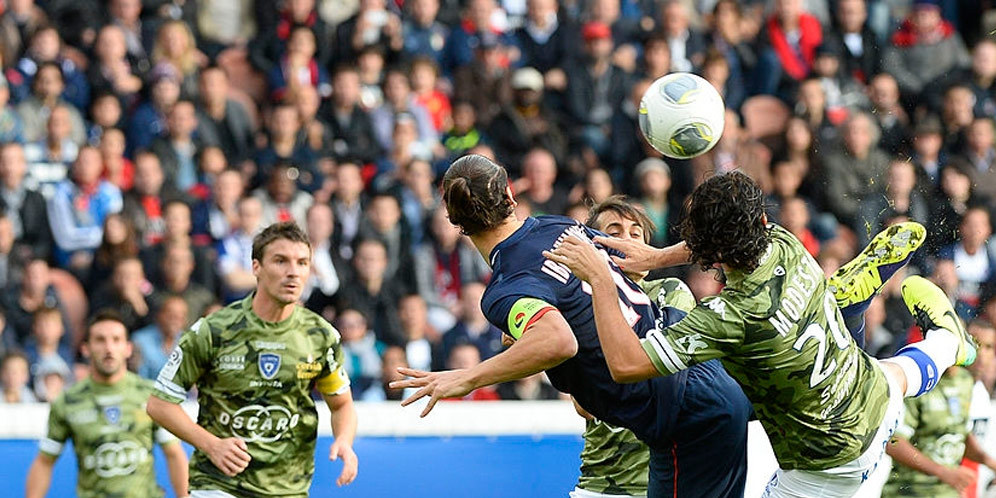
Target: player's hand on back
{"points": [[436, 385], [582, 257], [350, 463], [230, 455], [639, 256], [957, 477]]}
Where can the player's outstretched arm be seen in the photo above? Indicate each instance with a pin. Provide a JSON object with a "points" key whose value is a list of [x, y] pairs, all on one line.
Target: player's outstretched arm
{"points": [[644, 257], [230, 455], [906, 454], [344, 429], [545, 344], [176, 463], [39, 476], [624, 354]]}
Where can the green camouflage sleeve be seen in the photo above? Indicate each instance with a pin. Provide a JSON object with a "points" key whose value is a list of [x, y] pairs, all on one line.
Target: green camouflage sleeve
{"points": [[911, 420], [58, 429], [188, 361], [711, 330], [333, 378]]}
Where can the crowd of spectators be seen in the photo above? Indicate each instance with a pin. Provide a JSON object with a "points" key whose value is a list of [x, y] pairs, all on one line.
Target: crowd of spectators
{"points": [[144, 142]]}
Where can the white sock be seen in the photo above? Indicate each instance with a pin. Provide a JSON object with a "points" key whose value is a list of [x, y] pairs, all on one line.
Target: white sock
{"points": [[923, 362]]}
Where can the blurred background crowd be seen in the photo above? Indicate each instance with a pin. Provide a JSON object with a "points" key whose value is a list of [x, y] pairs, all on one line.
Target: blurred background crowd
{"points": [[144, 142]]}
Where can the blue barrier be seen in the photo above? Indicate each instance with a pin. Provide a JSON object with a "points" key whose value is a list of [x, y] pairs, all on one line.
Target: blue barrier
{"points": [[410, 467]]}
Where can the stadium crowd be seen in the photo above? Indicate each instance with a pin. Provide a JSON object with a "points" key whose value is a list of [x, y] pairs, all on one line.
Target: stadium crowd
{"points": [[144, 143]]}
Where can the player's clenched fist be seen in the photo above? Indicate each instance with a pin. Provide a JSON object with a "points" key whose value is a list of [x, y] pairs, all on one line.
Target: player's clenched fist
{"points": [[230, 455]]}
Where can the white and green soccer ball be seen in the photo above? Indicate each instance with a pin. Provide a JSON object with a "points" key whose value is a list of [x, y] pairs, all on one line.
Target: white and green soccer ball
{"points": [[682, 115]]}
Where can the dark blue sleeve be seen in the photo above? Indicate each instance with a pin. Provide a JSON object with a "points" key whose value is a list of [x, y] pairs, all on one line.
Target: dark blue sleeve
{"points": [[498, 300]]}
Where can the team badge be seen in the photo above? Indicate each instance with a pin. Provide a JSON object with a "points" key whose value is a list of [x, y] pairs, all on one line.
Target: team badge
{"points": [[269, 364], [112, 414]]}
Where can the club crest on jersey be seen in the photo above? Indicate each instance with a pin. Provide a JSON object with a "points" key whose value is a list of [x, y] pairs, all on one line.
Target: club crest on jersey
{"points": [[269, 364], [112, 414]]}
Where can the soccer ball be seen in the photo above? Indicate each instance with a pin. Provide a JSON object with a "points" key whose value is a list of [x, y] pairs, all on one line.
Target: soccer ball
{"points": [[682, 115]]}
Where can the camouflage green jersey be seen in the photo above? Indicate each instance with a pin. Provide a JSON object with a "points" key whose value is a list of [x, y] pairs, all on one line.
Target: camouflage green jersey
{"points": [[614, 461], [112, 437], [254, 381], [779, 333], [937, 424]]}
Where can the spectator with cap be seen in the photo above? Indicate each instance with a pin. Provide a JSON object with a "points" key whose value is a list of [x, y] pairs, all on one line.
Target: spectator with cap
{"points": [[923, 48], [22, 205], [423, 34], [527, 121], [596, 88], [148, 121]]}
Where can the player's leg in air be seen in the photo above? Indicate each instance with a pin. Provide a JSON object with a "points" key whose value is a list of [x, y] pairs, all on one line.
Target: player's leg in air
{"points": [[858, 282]]}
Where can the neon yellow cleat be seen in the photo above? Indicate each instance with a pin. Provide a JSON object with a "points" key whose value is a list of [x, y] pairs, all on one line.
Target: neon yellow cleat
{"points": [[932, 310], [858, 281]]}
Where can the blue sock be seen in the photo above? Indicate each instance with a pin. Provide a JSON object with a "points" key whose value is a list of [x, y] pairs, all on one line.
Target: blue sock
{"points": [[856, 326]]}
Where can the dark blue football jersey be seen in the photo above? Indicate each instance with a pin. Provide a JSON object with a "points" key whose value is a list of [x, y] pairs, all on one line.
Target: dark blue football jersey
{"points": [[520, 271]]}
